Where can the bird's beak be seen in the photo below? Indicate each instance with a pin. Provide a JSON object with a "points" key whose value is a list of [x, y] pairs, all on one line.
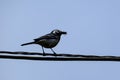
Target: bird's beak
{"points": [[63, 32]]}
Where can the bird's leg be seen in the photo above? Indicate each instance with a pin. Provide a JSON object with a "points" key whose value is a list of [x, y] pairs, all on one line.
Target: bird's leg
{"points": [[43, 51], [53, 51]]}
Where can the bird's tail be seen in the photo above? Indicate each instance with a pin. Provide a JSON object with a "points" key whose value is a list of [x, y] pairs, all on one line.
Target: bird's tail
{"points": [[28, 43]]}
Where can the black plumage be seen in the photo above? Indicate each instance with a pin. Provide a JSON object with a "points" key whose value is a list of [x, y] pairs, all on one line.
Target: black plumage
{"points": [[49, 40]]}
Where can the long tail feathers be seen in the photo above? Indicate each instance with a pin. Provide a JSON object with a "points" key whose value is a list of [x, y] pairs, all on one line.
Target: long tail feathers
{"points": [[28, 43]]}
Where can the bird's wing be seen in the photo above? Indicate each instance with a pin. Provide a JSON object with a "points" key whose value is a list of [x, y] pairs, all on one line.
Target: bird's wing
{"points": [[47, 36]]}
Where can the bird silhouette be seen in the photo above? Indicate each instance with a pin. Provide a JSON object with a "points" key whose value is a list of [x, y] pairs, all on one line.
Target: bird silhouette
{"points": [[48, 41]]}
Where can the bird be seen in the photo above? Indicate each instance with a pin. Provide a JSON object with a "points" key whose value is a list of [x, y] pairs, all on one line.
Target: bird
{"points": [[49, 40]]}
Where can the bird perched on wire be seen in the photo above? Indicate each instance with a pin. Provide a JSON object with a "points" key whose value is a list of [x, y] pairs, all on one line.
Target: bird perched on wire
{"points": [[48, 41]]}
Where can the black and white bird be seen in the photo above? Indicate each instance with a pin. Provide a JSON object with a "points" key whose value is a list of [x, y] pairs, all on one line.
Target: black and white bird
{"points": [[48, 41]]}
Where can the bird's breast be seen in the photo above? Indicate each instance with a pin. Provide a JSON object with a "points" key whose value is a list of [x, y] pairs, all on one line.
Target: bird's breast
{"points": [[48, 43]]}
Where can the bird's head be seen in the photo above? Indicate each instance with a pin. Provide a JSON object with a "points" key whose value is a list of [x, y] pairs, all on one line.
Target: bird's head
{"points": [[58, 32]]}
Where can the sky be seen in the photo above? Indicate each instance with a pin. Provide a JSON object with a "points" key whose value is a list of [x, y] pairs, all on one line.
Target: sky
{"points": [[92, 26]]}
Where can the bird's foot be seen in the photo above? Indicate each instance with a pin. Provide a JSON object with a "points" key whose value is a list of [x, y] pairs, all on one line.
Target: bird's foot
{"points": [[55, 54], [44, 54]]}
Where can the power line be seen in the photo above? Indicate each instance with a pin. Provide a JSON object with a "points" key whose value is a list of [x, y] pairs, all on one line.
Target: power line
{"points": [[52, 57]]}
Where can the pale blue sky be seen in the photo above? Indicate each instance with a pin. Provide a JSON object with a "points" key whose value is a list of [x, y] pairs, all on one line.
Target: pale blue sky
{"points": [[93, 27]]}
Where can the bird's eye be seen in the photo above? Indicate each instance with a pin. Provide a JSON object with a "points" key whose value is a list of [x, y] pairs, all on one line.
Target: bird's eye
{"points": [[54, 32]]}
